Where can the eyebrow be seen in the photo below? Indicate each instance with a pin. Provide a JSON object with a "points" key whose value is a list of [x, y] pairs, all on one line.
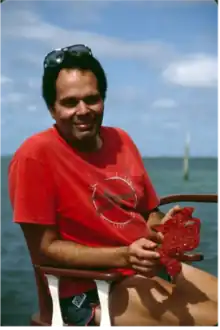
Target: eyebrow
{"points": [[69, 98]]}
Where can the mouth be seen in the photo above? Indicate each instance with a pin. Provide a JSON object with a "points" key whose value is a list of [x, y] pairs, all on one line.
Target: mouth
{"points": [[84, 126]]}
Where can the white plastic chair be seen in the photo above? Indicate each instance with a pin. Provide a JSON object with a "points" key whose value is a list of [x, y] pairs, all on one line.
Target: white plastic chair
{"points": [[103, 288]]}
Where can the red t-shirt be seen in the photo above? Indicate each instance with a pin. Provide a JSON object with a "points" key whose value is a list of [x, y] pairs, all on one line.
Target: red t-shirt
{"points": [[95, 199]]}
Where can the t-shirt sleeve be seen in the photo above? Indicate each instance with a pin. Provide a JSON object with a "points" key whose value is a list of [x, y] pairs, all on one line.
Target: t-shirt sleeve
{"points": [[151, 198], [31, 192]]}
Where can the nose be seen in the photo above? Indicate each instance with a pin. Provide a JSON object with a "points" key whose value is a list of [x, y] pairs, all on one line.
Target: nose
{"points": [[82, 108]]}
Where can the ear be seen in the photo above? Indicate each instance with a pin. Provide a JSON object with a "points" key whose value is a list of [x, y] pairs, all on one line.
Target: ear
{"points": [[52, 113]]}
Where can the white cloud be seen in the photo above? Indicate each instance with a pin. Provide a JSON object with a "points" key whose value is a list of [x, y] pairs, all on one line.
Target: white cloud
{"points": [[34, 83], [32, 108], [13, 97], [170, 3], [85, 12], [172, 125], [5, 80], [126, 93], [36, 36], [199, 70], [26, 25], [164, 103], [93, 11], [3, 122], [77, 12], [27, 34]]}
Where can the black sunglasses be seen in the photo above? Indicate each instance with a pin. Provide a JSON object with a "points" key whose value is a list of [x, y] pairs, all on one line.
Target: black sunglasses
{"points": [[56, 57]]}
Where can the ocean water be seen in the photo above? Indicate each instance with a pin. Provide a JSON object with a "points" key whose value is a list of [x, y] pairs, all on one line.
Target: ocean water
{"points": [[18, 290]]}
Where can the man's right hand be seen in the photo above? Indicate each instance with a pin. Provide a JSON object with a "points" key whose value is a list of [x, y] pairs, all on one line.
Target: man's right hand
{"points": [[142, 256]]}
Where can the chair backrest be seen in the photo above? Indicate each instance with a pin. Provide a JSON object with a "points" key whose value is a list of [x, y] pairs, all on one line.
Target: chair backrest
{"points": [[44, 298], [198, 198]]}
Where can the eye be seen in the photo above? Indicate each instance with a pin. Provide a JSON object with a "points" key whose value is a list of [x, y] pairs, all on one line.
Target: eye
{"points": [[69, 103], [92, 99]]}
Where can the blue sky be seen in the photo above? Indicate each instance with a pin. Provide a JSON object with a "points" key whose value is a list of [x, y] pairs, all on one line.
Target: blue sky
{"points": [[160, 58]]}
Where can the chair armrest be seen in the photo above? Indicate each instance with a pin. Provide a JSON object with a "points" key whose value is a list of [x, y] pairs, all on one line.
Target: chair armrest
{"points": [[102, 279], [79, 273]]}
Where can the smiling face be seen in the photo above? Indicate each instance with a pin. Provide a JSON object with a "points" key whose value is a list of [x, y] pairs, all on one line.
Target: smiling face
{"points": [[78, 109]]}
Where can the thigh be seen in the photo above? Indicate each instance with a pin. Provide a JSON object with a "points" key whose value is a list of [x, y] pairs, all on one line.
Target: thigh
{"points": [[141, 301], [198, 282]]}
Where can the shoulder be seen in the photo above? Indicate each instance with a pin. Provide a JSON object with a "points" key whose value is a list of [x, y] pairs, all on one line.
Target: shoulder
{"points": [[35, 147], [121, 136], [117, 132]]}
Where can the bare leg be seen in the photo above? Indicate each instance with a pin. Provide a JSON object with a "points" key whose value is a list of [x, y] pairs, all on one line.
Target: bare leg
{"points": [[203, 281], [139, 301]]}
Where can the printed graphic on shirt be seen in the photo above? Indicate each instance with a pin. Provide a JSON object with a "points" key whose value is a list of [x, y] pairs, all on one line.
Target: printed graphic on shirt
{"points": [[115, 200]]}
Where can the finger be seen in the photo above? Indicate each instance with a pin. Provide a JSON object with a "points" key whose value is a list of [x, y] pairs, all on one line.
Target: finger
{"points": [[171, 212], [161, 236], [155, 237], [144, 262], [148, 272], [146, 254], [190, 257], [176, 208], [148, 243]]}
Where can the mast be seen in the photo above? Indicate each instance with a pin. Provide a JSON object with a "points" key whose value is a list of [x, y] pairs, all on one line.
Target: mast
{"points": [[186, 158]]}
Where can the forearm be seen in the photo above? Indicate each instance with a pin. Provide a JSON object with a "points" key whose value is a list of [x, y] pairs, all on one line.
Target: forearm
{"points": [[70, 254]]}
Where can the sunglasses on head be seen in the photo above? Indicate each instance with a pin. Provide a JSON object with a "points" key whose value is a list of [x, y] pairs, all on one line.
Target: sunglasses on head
{"points": [[56, 57]]}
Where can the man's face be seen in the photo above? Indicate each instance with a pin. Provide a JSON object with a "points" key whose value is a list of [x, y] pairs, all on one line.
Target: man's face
{"points": [[78, 109]]}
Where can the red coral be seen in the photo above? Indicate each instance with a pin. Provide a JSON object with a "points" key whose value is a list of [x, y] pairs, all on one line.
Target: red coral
{"points": [[181, 234]]}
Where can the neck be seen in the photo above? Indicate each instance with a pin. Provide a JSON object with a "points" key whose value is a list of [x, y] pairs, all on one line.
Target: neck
{"points": [[88, 146]]}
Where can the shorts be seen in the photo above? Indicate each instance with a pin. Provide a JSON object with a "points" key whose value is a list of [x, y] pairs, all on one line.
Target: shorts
{"points": [[80, 310], [164, 275]]}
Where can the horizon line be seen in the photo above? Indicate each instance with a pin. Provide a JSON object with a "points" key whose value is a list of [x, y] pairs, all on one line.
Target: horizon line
{"points": [[158, 156]]}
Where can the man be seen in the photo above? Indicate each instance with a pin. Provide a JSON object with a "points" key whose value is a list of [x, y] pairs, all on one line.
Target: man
{"points": [[84, 199]]}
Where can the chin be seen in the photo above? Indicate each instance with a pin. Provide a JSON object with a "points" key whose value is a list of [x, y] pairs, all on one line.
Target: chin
{"points": [[84, 135]]}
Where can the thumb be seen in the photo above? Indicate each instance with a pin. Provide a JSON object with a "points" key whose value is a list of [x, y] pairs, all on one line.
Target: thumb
{"points": [[155, 237], [170, 213], [174, 210]]}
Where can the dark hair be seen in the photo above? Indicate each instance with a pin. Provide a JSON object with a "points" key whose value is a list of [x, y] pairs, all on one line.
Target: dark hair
{"points": [[82, 63]]}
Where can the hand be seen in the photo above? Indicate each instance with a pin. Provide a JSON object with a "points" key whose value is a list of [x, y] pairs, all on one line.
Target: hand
{"points": [[171, 213], [142, 257]]}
